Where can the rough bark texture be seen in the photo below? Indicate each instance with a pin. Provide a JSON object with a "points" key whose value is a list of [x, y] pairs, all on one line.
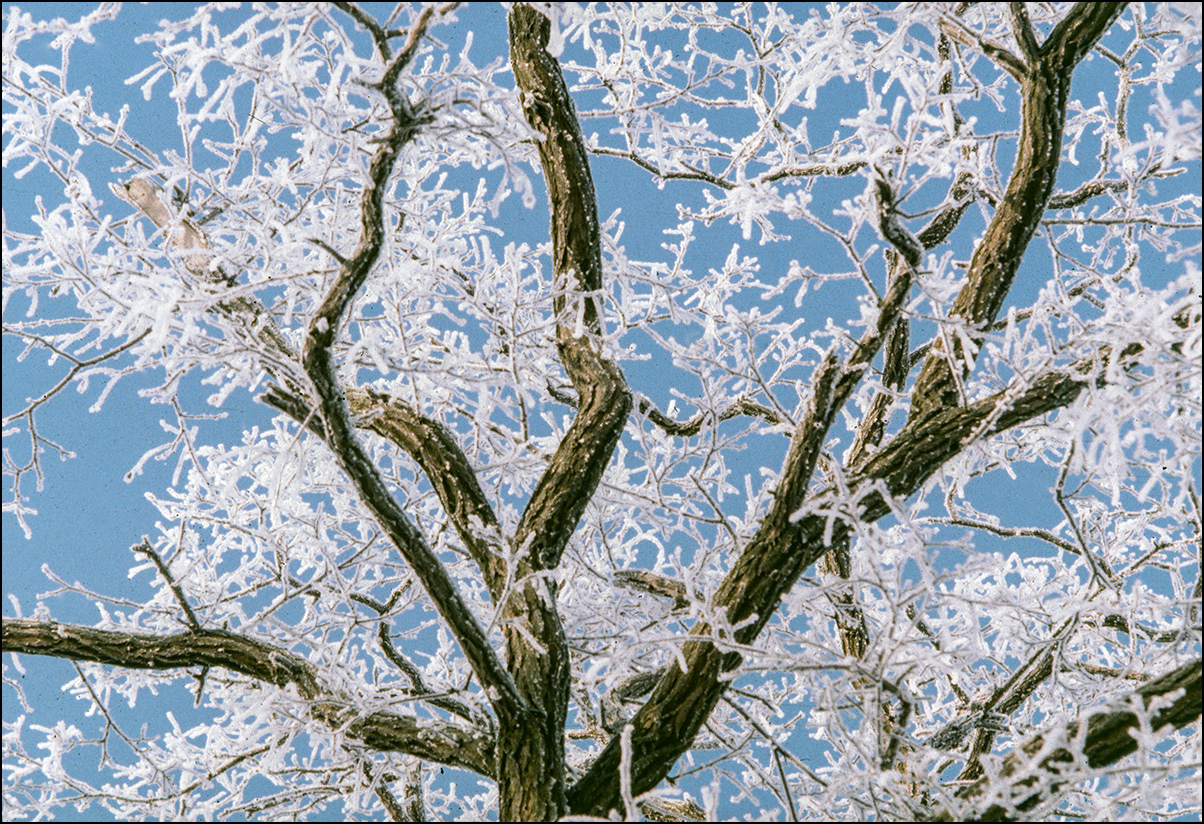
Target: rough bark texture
{"points": [[779, 552], [443, 742], [530, 748], [320, 365], [531, 766], [1045, 88], [529, 683], [1108, 738], [604, 400], [666, 725]]}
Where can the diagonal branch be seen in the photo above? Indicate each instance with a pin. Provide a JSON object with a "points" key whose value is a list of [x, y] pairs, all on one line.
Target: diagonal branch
{"points": [[1045, 88], [320, 365], [1022, 30], [683, 698], [1045, 763], [435, 449], [1007, 61], [896, 364], [783, 548]]}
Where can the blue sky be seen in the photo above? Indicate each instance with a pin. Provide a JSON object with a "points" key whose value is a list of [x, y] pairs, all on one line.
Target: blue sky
{"points": [[88, 516]]}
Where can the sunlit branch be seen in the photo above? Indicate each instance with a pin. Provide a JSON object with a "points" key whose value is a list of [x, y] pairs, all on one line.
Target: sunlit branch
{"points": [[1037, 770], [319, 363], [426, 738], [1045, 88], [772, 562]]}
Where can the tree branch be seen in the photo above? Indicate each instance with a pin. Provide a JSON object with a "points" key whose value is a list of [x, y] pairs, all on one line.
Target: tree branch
{"points": [[1007, 61], [1045, 87], [665, 727], [604, 399], [246, 310], [435, 449], [319, 363], [1109, 737], [682, 700], [426, 738]]}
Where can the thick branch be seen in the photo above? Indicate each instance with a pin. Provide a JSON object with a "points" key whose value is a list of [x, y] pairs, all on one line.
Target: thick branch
{"points": [[531, 766], [1045, 87], [604, 399], [435, 449], [1109, 738], [426, 738], [782, 549], [665, 727]]}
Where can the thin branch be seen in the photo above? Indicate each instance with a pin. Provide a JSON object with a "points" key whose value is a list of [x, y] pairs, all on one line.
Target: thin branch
{"points": [[318, 360], [144, 548], [1003, 58]]}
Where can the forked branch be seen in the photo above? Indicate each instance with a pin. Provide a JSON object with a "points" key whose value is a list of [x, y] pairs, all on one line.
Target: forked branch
{"points": [[1045, 89]]}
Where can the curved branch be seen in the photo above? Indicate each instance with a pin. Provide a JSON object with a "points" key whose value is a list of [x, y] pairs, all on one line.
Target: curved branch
{"points": [[435, 449], [896, 364], [604, 399], [1045, 88], [320, 365], [426, 738], [1067, 200], [743, 405], [433, 446]]}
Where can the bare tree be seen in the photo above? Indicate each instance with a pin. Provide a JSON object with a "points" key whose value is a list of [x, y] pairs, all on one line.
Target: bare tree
{"points": [[493, 547]]}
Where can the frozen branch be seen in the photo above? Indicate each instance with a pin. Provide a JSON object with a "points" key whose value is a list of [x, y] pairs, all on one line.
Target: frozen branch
{"points": [[1035, 771], [783, 548], [319, 363], [1045, 88], [604, 400], [427, 738]]}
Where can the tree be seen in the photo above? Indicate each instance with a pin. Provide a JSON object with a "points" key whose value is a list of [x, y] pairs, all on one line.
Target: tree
{"points": [[472, 533]]}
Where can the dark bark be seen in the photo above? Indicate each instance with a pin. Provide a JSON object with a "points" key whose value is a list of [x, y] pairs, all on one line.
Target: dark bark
{"points": [[426, 738], [435, 449], [530, 765], [529, 685], [603, 398], [666, 725], [1045, 88], [1108, 738], [664, 728], [322, 369]]}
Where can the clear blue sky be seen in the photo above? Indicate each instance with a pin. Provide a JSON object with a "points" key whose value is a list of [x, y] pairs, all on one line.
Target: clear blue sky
{"points": [[88, 516]]}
